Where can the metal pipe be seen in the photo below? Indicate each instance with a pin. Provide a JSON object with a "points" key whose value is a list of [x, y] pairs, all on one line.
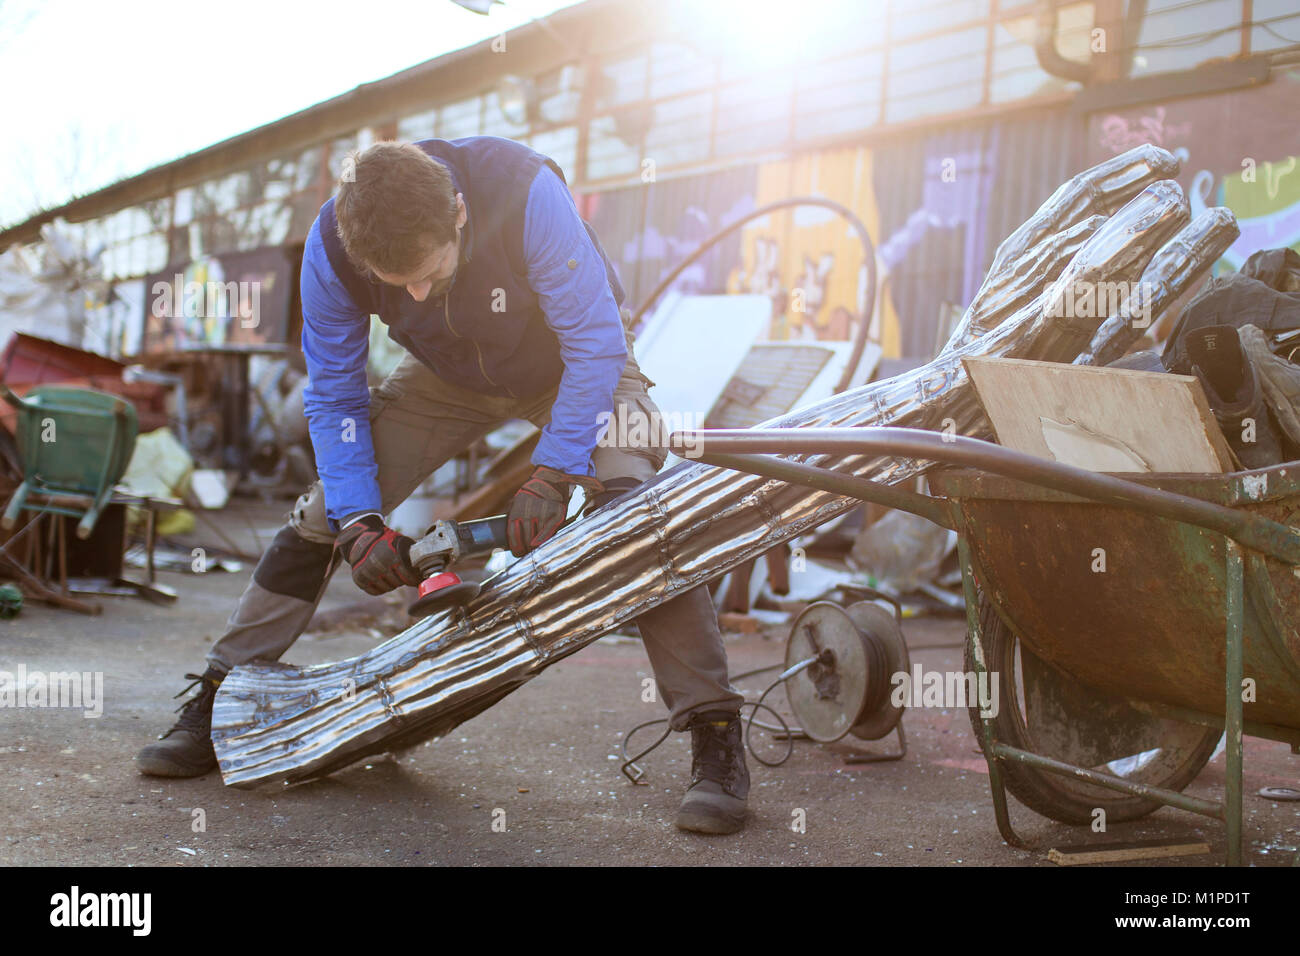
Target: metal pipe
{"points": [[1049, 57], [868, 257], [987, 733], [1254, 531], [1253, 728], [1206, 808], [890, 496], [1233, 703]]}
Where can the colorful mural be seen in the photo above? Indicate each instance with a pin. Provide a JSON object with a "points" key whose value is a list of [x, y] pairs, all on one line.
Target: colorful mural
{"points": [[1240, 149], [935, 204], [648, 230], [807, 259], [936, 201]]}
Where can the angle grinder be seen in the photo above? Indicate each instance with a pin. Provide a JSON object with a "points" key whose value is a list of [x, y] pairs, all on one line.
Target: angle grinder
{"points": [[443, 545]]}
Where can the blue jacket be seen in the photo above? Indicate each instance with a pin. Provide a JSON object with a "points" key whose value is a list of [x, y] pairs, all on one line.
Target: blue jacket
{"points": [[534, 305]]}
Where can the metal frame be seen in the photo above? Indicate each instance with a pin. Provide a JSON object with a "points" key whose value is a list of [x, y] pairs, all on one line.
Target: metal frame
{"points": [[749, 450]]}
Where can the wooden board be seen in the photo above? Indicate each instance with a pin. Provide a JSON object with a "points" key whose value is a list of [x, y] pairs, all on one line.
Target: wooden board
{"points": [[1123, 852], [1101, 419]]}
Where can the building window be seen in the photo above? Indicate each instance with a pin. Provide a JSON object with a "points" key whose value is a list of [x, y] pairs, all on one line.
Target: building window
{"points": [[1278, 25], [463, 118], [679, 132], [941, 74], [679, 68], [1179, 34], [614, 144], [561, 145], [838, 96], [620, 82], [754, 116], [424, 125]]}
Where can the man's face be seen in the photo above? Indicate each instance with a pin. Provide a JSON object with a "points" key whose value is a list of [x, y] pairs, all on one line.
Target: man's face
{"points": [[434, 274]]}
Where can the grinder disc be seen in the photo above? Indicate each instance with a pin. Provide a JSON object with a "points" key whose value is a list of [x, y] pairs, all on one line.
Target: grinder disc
{"points": [[827, 697], [439, 599], [874, 620]]}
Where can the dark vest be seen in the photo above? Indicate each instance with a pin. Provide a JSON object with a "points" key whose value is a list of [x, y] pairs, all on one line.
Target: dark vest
{"points": [[458, 336]]}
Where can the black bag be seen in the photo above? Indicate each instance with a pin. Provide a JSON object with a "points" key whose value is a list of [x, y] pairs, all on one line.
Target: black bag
{"points": [[1265, 293]]}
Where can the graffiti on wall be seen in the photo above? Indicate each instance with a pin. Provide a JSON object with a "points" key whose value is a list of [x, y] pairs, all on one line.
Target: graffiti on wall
{"points": [[808, 260], [648, 230], [930, 256], [1267, 206], [1236, 151]]}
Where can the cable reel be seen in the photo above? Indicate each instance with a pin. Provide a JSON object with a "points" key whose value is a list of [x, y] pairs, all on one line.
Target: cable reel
{"points": [[846, 689], [838, 665]]}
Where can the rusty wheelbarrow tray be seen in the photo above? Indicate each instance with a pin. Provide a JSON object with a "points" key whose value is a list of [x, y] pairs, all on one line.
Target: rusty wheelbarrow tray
{"points": [[1136, 617]]}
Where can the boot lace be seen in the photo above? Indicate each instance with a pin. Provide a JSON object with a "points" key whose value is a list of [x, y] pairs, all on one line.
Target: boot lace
{"points": [[196, 713], [716, 752]]}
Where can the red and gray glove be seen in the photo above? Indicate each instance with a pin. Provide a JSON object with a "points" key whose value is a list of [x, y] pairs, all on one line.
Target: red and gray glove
{"points": [[379, 556], [540, 506]]}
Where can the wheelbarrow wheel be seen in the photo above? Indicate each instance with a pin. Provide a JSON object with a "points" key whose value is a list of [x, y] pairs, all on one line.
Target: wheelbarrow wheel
{"points": [[1044, 711]]}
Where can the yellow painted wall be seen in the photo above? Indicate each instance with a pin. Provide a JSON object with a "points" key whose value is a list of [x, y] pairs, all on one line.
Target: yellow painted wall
{"points": [[776, 247]]}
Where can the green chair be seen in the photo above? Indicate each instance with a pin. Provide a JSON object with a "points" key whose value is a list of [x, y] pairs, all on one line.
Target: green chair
{"points": [[74, 445]]}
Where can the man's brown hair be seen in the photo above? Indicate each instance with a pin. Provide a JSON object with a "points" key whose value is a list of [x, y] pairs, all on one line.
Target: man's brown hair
{"points": [[395, 205]]}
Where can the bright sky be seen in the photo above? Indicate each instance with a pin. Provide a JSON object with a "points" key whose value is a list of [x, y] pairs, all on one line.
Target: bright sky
{"points": [[96, 91]]}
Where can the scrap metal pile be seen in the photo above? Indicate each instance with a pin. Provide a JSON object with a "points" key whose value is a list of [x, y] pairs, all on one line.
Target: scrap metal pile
{"points": [[1124, 221]]}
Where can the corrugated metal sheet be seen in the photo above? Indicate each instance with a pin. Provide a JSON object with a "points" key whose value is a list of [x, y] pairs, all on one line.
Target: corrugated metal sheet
{"points": [[767, 384]]}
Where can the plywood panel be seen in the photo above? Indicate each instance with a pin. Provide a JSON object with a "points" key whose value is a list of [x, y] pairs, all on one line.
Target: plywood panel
{"points": [[1102, 419]]}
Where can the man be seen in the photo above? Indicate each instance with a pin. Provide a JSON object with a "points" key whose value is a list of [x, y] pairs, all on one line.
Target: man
{"points": [[473, 254]]}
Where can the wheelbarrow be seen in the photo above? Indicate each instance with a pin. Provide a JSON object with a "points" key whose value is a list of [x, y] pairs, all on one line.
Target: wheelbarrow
{"points": [[1132, 621]]}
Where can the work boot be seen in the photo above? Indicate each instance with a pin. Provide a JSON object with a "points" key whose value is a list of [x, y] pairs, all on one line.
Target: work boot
{"points": [[186, 750], [1232, 388], [715, 802]]}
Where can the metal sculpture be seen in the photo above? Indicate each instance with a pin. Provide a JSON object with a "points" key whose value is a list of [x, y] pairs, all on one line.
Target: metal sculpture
{"points": [[1118, 222]]}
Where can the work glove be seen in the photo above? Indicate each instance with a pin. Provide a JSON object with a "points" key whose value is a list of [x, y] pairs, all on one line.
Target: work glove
{"points": [[379, 556], [540, 506]]}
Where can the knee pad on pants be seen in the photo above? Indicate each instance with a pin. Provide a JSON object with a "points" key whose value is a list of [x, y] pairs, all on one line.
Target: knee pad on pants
{"points": [[294, 566]]}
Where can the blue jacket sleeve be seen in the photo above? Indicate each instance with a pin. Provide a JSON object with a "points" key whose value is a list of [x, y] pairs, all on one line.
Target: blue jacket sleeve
{"points": [[336, 344], [568, 274]]}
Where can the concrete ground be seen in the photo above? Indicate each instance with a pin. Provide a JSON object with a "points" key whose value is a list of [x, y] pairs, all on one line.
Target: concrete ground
{"points": [[543, 761]]}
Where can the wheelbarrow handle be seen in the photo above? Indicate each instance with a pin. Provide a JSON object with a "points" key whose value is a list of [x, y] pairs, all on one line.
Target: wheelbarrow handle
{"points": [[930, 507], [1253, 531]]}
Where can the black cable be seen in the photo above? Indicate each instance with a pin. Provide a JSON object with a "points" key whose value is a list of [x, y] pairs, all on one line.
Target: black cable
{"points": [[1263, 25], [789, 736], [635, 773]]}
